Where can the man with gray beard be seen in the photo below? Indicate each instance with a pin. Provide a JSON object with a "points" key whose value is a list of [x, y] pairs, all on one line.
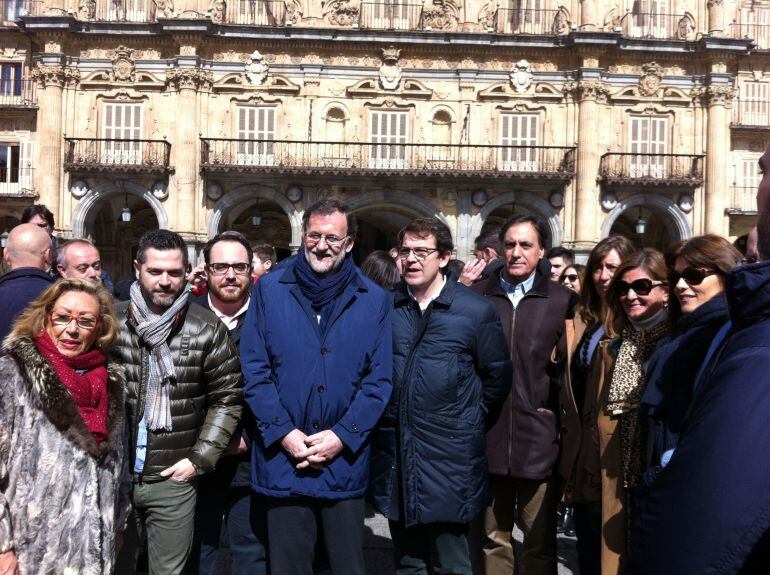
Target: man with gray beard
{"points": [[317, 364]]}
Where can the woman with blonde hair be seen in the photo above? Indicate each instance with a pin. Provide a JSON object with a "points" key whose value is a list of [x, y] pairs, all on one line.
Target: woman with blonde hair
{"points": [[64, 481]]}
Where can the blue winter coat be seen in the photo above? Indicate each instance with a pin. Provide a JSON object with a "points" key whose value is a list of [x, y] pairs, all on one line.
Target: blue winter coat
{"points": [[19, 288], [429, 455], [295, 378], [709, 507]]}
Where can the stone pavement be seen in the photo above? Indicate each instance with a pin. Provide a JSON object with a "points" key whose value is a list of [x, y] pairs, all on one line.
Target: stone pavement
{"points": [[378, 551]]}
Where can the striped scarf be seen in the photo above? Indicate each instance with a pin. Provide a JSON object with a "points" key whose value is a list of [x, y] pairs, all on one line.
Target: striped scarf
{"points": [[154, 331]]}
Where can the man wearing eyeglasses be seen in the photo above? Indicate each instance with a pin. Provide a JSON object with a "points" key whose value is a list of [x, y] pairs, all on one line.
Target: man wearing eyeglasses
{"points": [[79, 259], [523, 446], [225, 495], [451, 374], [317, 363]]}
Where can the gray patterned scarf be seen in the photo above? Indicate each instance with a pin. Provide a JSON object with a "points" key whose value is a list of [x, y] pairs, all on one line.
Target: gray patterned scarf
{"points": [[154, 330], [626, 389]]}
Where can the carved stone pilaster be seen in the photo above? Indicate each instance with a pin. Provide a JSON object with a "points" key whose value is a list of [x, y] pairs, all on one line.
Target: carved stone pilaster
{"points": [[587, 90], [189, 79], [49, 76], [71, 78], [713, 3], [718, 96]]}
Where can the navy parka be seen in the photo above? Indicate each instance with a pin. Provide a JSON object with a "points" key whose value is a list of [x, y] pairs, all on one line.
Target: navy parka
{"points": [[451, 369], [298, 378]]}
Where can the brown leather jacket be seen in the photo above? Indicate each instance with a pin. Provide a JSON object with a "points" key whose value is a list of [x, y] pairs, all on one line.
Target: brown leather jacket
{"points": [[524, 442]]}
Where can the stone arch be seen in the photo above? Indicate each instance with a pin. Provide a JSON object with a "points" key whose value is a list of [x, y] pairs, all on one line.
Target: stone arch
{"points": [[677, 225], [531, 201], [234, 202], [90, 204], [396, 200]]}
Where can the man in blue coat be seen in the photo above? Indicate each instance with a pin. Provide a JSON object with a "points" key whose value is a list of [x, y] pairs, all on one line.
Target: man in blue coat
{"points": [[317, 361], [708, 511], [452, 372]]}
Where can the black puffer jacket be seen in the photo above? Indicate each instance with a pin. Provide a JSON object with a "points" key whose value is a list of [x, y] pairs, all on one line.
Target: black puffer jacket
{"points": [[205, 401]]}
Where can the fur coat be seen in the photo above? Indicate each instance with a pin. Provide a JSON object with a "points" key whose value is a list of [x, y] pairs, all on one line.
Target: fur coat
{"points": [[62, 495]]}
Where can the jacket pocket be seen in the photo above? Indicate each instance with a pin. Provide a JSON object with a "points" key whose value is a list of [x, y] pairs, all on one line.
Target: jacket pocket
{"points": [[536, 447], [436, 385]]}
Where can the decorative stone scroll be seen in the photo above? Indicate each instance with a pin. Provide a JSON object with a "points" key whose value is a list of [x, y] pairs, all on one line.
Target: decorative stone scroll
{"points": [[390, 72], [123, 65], [652, 76], [256, 69], [521, 76], [441, 15], [341, 12]]}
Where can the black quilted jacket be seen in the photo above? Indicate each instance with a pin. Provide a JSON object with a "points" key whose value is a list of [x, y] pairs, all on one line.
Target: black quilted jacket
{"points": [[205, 401]]}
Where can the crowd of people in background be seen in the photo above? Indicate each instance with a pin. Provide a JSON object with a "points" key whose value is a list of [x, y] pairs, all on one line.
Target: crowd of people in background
{"points": [[267, 403]]}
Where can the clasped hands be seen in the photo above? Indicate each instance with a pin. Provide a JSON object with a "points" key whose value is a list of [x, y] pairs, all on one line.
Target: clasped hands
{"points": [[312, 450]]}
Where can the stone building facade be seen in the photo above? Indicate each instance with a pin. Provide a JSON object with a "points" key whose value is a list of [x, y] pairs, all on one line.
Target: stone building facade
{"points": [[598, 116]]}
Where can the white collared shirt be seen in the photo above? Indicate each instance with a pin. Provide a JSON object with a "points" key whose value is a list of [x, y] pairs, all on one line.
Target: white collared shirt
{"points": [[230, 321], [518, 291], [424, 305]]}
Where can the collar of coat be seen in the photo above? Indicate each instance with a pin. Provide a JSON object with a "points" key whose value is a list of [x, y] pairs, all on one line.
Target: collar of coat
{"points": [[444, 298], [57, 404], [540, 287], [289, 277]]}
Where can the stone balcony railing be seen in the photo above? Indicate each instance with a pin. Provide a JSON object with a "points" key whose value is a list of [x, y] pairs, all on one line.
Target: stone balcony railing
{"points": [[229, 156], [117, 155], [17, 93], [16, 181], [659, 170]]}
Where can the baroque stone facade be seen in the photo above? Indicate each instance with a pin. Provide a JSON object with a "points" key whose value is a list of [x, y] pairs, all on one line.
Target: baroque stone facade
{"points": [[591, 114]]}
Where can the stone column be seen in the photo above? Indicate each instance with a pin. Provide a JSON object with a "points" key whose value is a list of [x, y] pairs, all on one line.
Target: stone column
{"points": [[716, 11], [48, 170], [187, 82], [589, 94], [718, 101], [589, 15]]}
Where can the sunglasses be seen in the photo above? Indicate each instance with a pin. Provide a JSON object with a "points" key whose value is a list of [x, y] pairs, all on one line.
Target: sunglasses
{"points": [[570, 277], [692, 276], [641, 286]]}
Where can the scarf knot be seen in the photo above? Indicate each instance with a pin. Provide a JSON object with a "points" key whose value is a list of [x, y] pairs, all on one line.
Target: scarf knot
{"points": [[154, 330], [85, 377]]}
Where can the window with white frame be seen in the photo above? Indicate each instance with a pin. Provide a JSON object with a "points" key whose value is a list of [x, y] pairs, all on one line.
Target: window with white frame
{"points": [[649, 144], [14, 9], [388, 133], [127, 10], [10, 78], [523, 17], [256, 127], [753, 105], [390, 13], [122, 133], [747, 180], [753, 21], [15, 166], [519, 136], [648, 18]]}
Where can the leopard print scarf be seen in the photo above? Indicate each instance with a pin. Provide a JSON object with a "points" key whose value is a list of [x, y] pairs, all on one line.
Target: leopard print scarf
{"points": [[626, 390]]}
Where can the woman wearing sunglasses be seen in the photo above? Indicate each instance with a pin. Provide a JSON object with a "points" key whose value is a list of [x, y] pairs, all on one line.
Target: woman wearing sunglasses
{"points": [[698, 310], [579, 459], [64, 481], [571, 277], [636, 322]]}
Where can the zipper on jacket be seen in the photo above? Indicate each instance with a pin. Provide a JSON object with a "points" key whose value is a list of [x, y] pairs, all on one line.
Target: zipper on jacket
{"points": [[511, 412], [143, 369]]}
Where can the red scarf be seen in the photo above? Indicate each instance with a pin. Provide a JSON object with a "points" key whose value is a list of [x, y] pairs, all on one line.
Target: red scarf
{"points": [[88, 388]]}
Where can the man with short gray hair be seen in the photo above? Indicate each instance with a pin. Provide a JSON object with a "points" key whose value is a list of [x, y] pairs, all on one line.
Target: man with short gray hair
{"points": [[79, 259]]}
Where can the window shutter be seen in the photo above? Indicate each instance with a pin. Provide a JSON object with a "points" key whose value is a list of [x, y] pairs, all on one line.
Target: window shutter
{"points": [[519, 138], [649, 144], [257, 126], [388, 128], [122, 122]]}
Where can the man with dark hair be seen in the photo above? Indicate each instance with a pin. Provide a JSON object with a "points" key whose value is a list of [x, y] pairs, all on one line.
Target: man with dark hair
{"points": [[183, 397], [39, 215], [225, 495], [28, 255], [79, 259], [709, 510], [523, 446], [560, 259], [316, 352], [486, 249], [263, 261], [451, 373]]}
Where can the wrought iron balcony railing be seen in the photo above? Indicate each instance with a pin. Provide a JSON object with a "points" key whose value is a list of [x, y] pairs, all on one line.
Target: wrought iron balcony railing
{"points": [[751, 112], [254, 13], [115, 10], [531, 22], [542, 162], [743, 199], [658, 26], [385, 16], [119, 155], [16, 181], [17, 93], [631, 169], [759, 33]]}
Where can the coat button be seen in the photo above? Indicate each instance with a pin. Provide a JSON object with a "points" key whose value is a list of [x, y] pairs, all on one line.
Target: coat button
{"points": [[315, 425], [276, 420], [321, 389], [324, 351], [354, 427]]}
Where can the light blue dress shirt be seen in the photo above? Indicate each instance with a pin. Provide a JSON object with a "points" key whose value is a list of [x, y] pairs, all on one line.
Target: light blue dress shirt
{"points": [[518, 291]]}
